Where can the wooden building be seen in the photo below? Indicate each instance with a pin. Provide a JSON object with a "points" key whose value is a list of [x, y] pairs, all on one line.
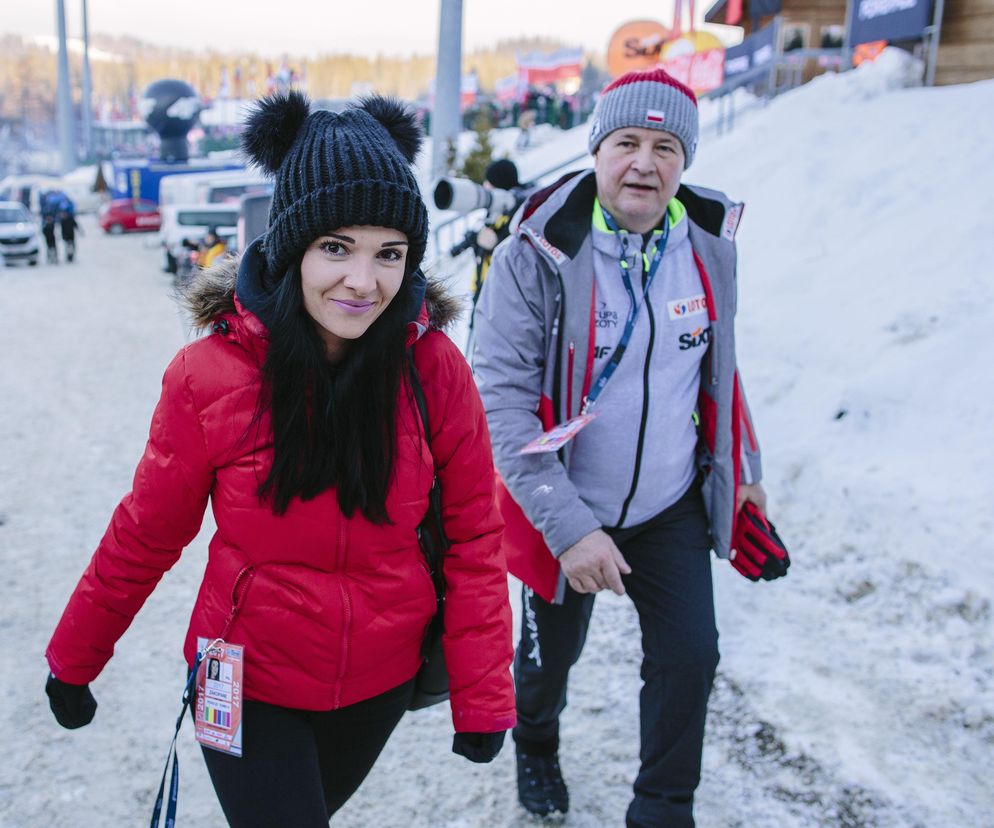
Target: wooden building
{"points": [[966, 44]]}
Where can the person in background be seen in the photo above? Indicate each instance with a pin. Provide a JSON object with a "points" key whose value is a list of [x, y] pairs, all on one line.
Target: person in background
{"points": [[68, 226], [296, 418], [212, 246], [501, 174], [49, 216], [615, 299]]}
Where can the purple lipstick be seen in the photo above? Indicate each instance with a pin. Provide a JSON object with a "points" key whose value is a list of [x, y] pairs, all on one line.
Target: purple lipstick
{"points": [[353, 306]]}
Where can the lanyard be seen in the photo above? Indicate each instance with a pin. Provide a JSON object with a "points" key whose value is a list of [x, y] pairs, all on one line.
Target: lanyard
{"points": [[635, 305], [172, 755]]}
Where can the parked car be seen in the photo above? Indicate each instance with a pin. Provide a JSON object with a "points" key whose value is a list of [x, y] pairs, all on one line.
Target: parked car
{"points": [[19, 236], [127, 214], [192, 221]]}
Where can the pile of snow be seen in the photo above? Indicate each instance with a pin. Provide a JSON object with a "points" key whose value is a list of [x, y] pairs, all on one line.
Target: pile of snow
{"points": [[856, 692]]}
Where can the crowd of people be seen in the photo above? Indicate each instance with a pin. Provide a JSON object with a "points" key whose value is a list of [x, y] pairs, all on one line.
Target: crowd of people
{"points": [[601, 440]]}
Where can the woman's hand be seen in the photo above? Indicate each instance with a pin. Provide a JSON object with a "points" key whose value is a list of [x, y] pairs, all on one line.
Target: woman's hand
{"points": [[72, 704], [478, 747]]}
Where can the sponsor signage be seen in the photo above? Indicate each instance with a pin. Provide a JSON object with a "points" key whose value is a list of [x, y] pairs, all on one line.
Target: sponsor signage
{"points": [[549, 68], [889, 20], [738, 59], [756, 50], [691, 306], [696, 59], [762, 8], [636, 45]]}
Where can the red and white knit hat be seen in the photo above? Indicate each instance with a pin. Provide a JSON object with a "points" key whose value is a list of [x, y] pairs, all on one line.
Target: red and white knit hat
{"points": [[653, 99]]}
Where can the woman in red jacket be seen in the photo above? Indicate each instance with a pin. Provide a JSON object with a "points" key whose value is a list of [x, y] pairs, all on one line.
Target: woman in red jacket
{"points": [[296, 419]]}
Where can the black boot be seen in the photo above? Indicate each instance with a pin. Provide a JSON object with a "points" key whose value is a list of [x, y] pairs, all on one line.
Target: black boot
{"points": [[541, 789]]}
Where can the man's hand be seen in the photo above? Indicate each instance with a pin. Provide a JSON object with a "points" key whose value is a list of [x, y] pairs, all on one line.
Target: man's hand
{"points": [[486, 239], [594, 563], [754, 493]]}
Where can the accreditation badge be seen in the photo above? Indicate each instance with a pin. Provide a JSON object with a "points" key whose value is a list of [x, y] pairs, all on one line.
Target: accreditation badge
{"points": [[555, 438], [218, 711]]}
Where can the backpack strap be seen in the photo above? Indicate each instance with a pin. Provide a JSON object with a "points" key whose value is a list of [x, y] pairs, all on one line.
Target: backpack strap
{"points": [[431, 531]]}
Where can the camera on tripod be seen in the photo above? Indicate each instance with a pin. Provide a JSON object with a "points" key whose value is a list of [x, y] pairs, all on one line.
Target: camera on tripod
{"points": [[464, 196]]}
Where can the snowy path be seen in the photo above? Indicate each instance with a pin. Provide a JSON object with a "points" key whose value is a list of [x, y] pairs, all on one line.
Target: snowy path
{"points": [[91, 342]]}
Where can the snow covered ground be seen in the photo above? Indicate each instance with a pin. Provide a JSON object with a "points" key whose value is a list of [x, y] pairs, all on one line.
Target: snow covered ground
{"points": [[859, 691]]}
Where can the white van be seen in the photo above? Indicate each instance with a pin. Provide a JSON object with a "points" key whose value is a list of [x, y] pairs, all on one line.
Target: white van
{"points": [[192, 221], [27, 189], [216, 187], [78, 185]]}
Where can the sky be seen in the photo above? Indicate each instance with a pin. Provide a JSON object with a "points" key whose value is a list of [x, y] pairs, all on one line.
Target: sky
{"points": [[304, 27]]}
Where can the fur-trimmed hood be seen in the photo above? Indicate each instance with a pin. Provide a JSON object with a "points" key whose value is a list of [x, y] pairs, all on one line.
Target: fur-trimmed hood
{"points": [[211, 293]]}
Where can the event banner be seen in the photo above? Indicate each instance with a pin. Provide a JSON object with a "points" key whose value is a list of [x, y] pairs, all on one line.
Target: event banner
{"points": [[889, 20], [738, 59], [756, 50], [696, 59], [763, 8], [547, 68]]}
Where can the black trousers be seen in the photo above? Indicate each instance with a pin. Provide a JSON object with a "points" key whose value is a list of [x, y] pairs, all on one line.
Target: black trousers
{"points": [[300, 766], [670, 586]]}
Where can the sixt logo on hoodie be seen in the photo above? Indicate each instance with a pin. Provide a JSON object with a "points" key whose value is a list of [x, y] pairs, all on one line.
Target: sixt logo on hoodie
{"points": [[691, 306], [694, 339]]}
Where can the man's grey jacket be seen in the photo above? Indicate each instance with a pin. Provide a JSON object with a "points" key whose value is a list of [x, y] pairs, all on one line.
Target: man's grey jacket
{"points": [[536, 301]]}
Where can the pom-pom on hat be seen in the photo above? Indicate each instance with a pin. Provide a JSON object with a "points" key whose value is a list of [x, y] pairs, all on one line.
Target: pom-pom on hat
{"points": [[652, 99], [336, 169]]}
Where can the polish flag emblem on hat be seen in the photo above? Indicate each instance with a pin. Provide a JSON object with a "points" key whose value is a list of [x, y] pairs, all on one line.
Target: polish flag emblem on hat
{"points": [[655, 116]]}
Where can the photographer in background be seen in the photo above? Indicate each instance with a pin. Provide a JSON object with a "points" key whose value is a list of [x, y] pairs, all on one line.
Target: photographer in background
{"points": [[501, 176]]}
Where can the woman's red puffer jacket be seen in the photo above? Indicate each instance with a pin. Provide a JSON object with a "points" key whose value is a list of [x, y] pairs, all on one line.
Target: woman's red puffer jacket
{"points": [[331, 610]]}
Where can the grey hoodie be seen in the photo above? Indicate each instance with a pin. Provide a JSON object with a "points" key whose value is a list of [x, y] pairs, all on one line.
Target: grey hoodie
{"points": [[537, 300]]}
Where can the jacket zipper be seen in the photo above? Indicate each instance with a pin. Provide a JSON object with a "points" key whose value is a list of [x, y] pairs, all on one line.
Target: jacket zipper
{"points": [[645, 408], [558, 329], [238, 598], [569, 381], [346, 611]]}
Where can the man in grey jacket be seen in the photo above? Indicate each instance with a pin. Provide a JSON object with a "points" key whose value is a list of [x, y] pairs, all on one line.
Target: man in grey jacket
{"points": [[605, 345]]}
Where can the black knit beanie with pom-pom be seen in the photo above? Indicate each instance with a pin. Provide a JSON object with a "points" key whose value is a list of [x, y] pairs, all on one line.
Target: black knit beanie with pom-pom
{"points": [[336, 169]]}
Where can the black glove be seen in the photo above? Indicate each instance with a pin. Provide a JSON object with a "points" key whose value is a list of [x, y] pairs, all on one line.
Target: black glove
{"points": [[72, 704], [478, 747]]}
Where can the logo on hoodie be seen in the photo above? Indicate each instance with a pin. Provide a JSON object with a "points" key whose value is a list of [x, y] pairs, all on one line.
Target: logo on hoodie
{"points": [[698, 337], [691, 306]]}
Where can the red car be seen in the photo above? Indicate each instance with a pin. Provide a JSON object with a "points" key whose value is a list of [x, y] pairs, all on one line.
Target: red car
{"points": [[129, 214]]}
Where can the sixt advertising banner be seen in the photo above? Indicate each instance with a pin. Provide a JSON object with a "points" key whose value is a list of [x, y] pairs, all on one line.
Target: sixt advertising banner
{"points": [[889, 20]]}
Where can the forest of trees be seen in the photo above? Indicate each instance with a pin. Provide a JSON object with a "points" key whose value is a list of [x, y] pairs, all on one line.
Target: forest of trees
{"points": [[121, 68]]}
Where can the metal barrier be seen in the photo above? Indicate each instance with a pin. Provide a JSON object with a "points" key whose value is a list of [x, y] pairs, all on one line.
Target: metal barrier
{"points": [[781, 74]]}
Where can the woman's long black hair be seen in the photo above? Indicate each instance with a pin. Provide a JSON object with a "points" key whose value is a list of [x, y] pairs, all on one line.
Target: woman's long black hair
{"points": [[333, 425]]}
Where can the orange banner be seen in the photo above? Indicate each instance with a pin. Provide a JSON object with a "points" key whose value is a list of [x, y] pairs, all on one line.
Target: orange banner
{"points": [[635, 45]]}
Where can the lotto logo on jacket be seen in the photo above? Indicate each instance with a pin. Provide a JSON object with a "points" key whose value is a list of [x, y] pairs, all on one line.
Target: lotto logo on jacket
{"points": [[691, 306], [696, 338]]}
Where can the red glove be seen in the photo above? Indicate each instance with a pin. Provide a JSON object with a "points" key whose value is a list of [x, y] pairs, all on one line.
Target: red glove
{"points": [[757, 551]]}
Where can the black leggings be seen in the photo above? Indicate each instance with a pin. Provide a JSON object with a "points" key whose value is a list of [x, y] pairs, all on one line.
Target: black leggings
{"points": [[300, 766]]}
